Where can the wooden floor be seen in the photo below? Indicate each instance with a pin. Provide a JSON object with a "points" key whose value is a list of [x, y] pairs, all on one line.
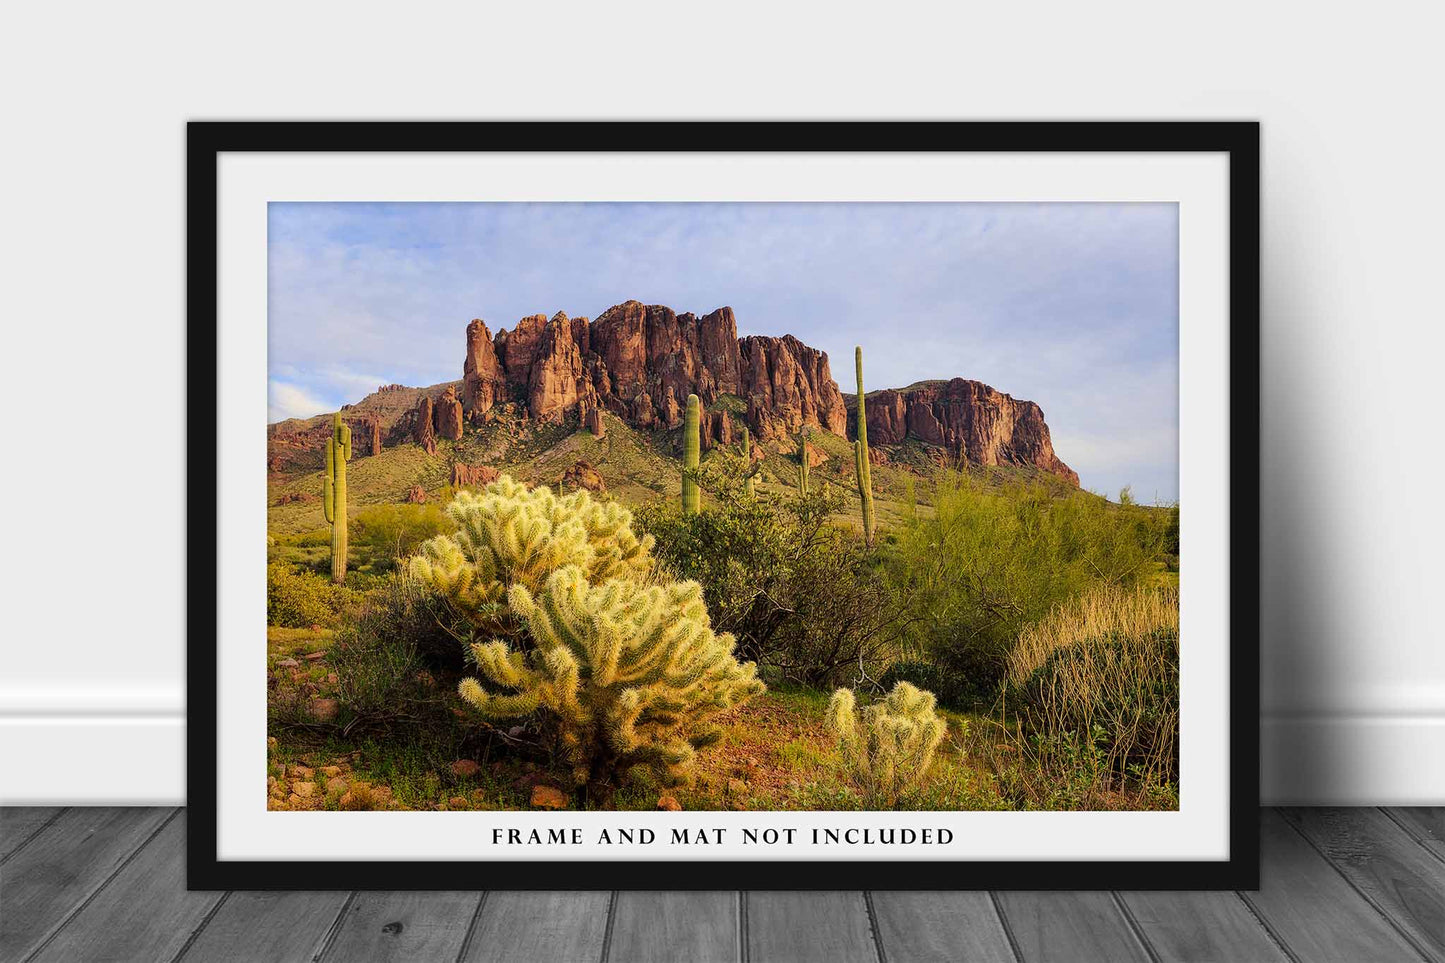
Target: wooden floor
{"points": [[1355, 885]]}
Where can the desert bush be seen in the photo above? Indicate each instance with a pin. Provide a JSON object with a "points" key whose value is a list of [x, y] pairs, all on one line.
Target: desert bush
{"points": [[992, 559], [889, 749], [803, 597], [390, 658], [616, 666], [392, 532], [298, 600], [949, 685], [1097, 680]]}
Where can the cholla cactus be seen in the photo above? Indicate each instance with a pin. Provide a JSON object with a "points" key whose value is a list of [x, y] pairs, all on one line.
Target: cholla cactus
{"points": [[510, 535], [891, 747], [631, 675], [333, 494]]}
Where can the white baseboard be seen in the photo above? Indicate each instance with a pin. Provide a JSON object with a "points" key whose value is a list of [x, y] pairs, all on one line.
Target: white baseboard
{"points": [[131, 760], [140, 759], [1353, 760]]}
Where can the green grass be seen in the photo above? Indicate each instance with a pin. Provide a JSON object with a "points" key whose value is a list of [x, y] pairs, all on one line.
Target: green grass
{"points": [[775, 755], [638, 466], [776, 747]]}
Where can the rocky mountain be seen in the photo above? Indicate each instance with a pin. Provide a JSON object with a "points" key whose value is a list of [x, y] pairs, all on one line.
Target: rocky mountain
{"points": [[640, 362], [982, 423]]}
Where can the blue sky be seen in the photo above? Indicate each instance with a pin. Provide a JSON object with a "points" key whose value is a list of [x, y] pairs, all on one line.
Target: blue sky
{"points": [[1074, 306]]}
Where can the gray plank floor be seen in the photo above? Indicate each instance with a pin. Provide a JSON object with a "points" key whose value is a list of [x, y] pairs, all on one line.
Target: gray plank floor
{"points": [[108, 884]]}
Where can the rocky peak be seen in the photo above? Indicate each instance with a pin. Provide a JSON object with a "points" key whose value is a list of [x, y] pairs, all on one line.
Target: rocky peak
{"points": [[642, 361], [516, 348], [483, 378], [985, 425]]}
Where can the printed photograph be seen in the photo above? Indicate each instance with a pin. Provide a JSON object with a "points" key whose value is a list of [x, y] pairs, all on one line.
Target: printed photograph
{"points": [[722, 506]]}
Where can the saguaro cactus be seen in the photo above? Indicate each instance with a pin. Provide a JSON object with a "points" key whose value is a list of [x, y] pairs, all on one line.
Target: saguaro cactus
{"points": [[333, 494], [747, 446], [691, 497], [860, 455], [803, 462]]}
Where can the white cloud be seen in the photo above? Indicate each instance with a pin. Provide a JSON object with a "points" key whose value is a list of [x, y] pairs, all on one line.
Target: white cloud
{"points": [[288, 401], [1073, 306]]}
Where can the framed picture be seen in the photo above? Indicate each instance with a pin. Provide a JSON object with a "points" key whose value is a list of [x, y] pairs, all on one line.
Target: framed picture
{"points": [[723, 505]]}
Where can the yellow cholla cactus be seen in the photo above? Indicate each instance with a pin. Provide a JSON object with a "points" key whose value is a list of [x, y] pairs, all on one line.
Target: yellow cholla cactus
{"points": [[890, 748], [510, 535], [630, 675]]}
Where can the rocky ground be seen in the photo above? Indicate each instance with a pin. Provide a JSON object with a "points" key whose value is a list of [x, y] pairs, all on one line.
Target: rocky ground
{"points": [[775, 754]]}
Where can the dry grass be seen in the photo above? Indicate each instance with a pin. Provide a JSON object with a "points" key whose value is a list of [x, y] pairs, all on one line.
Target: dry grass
{"points": [[1095, 689], [1131, 615]]}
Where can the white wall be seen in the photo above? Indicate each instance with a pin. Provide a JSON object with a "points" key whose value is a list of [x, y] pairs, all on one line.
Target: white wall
{"points": [[91, 691]]}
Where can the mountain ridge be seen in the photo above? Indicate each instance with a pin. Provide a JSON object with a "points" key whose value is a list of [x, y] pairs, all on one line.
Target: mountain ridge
{"points": [[640, 362]]}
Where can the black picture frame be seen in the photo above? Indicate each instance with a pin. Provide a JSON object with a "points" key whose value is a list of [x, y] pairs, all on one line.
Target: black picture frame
{"points": [[1240, 140]]}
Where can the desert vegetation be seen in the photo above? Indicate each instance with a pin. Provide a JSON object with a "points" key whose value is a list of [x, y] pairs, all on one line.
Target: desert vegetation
{"points": [[804, 623]]}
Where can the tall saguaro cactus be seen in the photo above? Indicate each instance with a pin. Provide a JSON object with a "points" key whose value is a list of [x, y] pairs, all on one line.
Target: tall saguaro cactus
{"points": [[333, 495], [747, 446], [860, 455], [691, 446], [803, 462]]}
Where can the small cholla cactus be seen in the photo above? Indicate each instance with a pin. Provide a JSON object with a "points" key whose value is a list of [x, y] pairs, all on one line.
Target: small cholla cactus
{"points": [[691, 447], [890, 748], [627, 675]]}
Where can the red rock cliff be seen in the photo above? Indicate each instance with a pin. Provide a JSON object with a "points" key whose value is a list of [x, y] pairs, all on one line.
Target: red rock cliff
{"points": [[986, 425], [642, 361]]}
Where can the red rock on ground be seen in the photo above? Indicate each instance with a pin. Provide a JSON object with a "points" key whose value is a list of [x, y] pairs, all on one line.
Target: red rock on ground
{"points": [[582, 475], [324, 710], [548, 797], [477, 476]]}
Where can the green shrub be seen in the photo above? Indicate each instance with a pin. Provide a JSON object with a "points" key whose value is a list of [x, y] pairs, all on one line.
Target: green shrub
{"points": [[990, 560], [1102, 672], [393, 532], [299, 600], [403, 644], [951, 687], [802, 596]]}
